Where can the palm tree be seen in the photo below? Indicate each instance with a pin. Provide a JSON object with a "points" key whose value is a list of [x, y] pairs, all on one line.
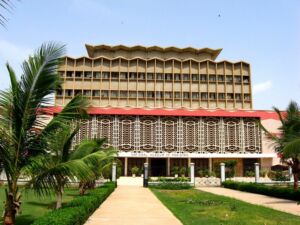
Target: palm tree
{"points": [[20, 105], [289, 132], [7, 5], [52, 170]]}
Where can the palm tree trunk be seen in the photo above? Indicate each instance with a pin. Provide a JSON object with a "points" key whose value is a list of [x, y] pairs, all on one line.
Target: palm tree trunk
{"points": [[59, 193], [295, 170], [12, 204]]}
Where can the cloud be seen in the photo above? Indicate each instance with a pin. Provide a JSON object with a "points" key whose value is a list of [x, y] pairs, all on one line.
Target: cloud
{"points": [[13, 53], [261, 87]]}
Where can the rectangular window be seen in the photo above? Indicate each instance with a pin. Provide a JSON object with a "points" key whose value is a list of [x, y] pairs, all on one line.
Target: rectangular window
{"points": [[150, 76], [59, 92], [195, 77], [186, 77], [77, 92], [96, 93], [104, 94], [88, 75], [247, 97], [229, 96], [114, 94], [123, 76], [150, 94], [212, 78], [159, 94], [212, 96], [168, 76], [69, 74], [87, 92], [105, 75], [238, 96], [115, 75], [168, 95], [159, 76], [195, 95], [177, 77], [132, 94], [186, 95], [221, 78], [203, 77], [132, 76], [246, 79], [141, 76], [141, 94], [204, 95], [178, 95], [237, 79], [221, 96], [123, 94], [78, 74], [69, 92], [229, 79], [96, 75]]}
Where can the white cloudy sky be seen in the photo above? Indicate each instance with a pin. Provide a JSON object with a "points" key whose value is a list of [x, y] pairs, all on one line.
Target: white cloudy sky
{"points": [[263, 33]]}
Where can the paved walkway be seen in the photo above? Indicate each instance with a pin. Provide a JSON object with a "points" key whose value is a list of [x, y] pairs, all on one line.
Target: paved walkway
{"points": [[257, 199], [132, 205]]}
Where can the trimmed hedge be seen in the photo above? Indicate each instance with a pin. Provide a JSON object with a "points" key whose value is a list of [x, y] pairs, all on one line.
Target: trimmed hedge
{"points": [[171, 186], [274, 191], [77, 211]]}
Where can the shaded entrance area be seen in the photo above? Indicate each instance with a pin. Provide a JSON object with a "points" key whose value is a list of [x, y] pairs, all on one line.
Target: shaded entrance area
{"points": [[158, 167]]}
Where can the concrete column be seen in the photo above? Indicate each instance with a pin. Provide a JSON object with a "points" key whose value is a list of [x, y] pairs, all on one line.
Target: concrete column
{"points": [[256, 166], [126, 166], [210, 165], [114, 172], [222, 171], [168, 167], [291, 174], [192, 172], [189, 161]]}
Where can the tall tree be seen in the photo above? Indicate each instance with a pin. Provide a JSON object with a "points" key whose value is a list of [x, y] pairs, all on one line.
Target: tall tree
{"points": [[286, 144], [20, 106]]}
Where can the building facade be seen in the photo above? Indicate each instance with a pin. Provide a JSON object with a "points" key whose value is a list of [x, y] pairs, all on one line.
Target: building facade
{"points": [[169, 107]]}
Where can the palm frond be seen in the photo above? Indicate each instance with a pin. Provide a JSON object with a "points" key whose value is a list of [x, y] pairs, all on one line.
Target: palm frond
{"points": [[292, 149]]}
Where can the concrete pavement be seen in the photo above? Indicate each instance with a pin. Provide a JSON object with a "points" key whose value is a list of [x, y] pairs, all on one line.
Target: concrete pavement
{"points": [[132, 205], [283, 205]]}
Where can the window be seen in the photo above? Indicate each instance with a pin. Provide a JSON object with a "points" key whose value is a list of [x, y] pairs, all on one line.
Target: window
{"points": [[204, 95], [221, 78], [212, 96], [150, 94], [123, 94], [221, 96], [97, 75], [114, 94], [195, 77], [237, 79], [68, 92], [87, 92], [132, 94], [212, 78], [150, 76], [69, 74], [186, 77], [177, 95], [186, 95], [141, 76], [87, 74], [203, 77], [96, 93], [195, 95], [104, 94], [247, 97], [229, 79], [132, 76], [159, 94], [105, 75], [77, 92], [246, 79], [177, 76], [123, 76], [168, 76], [159, 76], [59, 92], [78, 74], [141, 94], [229, 96], [238, 96], [114, 75], [168, 95]]}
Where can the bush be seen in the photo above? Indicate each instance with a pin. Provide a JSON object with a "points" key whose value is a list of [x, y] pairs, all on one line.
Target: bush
{"points": [[77, 211], [177, 179], [135, 170], [279, 175], [183, 171], [175, 170], [249, 173], [171, 186], [274, 191]]}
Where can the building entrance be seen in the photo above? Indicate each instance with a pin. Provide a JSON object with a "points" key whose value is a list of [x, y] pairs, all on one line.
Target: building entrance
{"points": [[158, 167]]}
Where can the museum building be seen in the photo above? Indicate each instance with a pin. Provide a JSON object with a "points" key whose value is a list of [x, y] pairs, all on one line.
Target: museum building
{"points": [[169, 107]]}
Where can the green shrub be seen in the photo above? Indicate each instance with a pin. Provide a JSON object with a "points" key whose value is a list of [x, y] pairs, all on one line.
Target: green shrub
{"points": [[175, 179], [175, 170], [135, 170], [274, 191], [183, 171], [171, 186], [77, 211], [279, 175], [249, 173]]}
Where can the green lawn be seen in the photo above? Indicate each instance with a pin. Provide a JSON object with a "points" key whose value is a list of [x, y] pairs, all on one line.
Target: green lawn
{"points": [[33, 206], [194, 207]]}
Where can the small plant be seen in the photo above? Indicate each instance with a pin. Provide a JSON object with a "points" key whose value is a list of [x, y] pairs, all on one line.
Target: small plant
{"points": [[135, 170], [175, 171], [182, 171], [249, 173]]}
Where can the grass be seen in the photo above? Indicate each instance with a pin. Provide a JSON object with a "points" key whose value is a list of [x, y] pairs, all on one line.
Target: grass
{"points": [[34, 207], [194, 207]]}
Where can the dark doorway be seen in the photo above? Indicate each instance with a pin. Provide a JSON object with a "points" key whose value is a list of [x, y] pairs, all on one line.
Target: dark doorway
{"points": [[249, 165], [158, 167]]}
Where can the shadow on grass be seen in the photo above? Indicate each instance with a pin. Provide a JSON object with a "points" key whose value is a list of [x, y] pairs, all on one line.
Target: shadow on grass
{"points": [[47, 205], [24, 220]]}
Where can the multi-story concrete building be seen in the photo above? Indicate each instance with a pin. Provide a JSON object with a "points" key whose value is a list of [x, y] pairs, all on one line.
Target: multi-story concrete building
{"points": [[168, 106]]}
